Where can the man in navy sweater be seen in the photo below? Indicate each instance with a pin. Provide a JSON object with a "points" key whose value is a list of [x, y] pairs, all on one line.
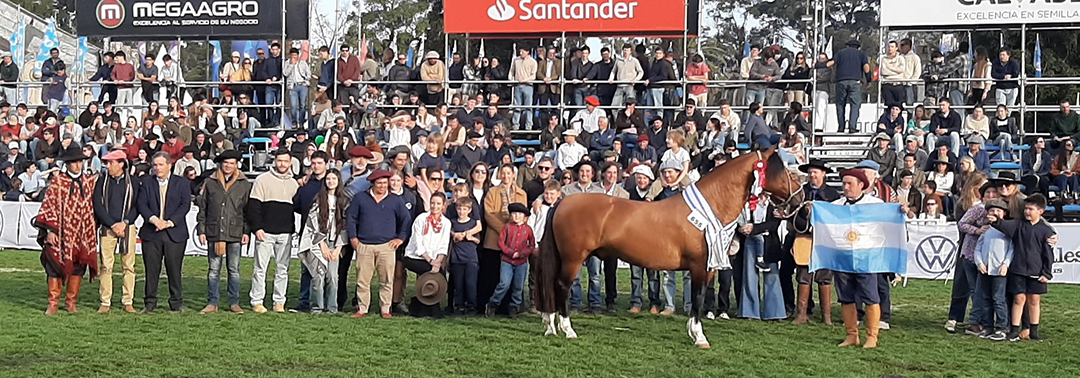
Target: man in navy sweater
{"points": [[271, 72], [377, 223], [945, 125], [1006, 73]]}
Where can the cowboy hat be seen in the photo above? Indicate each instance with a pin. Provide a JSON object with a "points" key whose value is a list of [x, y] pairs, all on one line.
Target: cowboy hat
{"points": [[226, 155], [815, 163], [570, 132], [430, 288], [1006, 177], [72, 153]]}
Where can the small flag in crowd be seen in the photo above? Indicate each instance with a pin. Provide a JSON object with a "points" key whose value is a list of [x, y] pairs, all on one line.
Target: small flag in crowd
{"points": [[746, 50], [866, 238], [410, 55], [1038, 56], [80, 58], [829, 48], [215, 60], [482, 48]]}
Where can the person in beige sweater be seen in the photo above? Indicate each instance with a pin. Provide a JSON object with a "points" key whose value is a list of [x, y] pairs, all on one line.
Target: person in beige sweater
{"points": [[892, 67], [522, 71], [433, 69]]}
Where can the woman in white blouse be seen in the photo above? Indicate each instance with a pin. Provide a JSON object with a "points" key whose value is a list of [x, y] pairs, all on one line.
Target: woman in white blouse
{"points": [[943, 176], [430, 239], [426, 120]]}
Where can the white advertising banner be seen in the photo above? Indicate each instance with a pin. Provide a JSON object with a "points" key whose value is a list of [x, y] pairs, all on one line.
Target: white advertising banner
{"points": [[977, 12], [933, 250]]}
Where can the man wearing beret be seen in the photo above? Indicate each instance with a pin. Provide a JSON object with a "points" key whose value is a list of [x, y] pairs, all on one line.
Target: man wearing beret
{"points": [[222, 228], [355, 180], [114, 207], [377, 223]]}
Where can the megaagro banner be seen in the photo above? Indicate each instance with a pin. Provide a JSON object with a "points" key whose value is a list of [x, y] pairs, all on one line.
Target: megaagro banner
{"points": [[143, 19], [571, 16]]}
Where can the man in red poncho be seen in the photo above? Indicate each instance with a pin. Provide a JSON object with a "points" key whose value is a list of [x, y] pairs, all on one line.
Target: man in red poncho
{"points": [[68, 239]]}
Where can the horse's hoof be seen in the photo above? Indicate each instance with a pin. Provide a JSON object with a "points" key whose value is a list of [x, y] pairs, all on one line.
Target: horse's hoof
{"points": [[571, 335], [703, 346], [550, 333]]}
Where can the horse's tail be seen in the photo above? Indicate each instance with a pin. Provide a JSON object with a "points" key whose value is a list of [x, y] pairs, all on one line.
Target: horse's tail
{"points": [[548, 265]]}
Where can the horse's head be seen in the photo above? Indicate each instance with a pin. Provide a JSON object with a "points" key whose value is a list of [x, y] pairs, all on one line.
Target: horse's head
{"points": [[784, 188]]}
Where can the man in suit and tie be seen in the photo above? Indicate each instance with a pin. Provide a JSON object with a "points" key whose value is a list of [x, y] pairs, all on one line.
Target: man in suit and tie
{"points": [[164, 201]]}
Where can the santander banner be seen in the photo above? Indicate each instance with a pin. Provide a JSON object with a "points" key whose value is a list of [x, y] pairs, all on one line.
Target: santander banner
{"points": [[571, 16]]}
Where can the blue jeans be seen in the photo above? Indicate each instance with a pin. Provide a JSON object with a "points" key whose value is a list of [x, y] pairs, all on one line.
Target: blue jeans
{"points": [[592, 266], [305, 289], [770, 304], [272, 97], [1004, 142], [757, 96], [580, 93], [213, 276], [991, 308], [848, 93], [654, 98], [952, 137], [523, 95], [669, 290], [298, 100], [510, 275], [324, 289], [909, 94], [636, 273], [1070, 183], [963, 287]]}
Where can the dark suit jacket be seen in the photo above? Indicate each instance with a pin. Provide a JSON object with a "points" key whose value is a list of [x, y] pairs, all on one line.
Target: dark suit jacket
{"points": [[177, 204]]}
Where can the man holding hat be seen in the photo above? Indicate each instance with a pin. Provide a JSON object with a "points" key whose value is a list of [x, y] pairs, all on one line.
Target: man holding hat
{"points": [[884, 156], [222, 227], [377, 224], [801, 244], [114, 207], [164, 201], [271, 197], [570, 152], [67, 237]]}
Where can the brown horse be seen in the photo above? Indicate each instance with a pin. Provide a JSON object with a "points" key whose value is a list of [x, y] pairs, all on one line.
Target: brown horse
{"points": [[653, 235]]}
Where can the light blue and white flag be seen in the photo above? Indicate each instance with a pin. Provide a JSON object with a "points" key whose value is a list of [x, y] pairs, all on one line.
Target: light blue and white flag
{"points": [[1038, 56], [868, 238], [48, 42], [18, 43], [79, 66]]}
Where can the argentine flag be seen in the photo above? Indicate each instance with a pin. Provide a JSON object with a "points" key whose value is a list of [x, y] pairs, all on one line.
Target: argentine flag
{"points": [[868, 238]]}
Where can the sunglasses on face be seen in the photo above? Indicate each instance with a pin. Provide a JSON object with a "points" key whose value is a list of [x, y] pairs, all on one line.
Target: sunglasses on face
{"points": [[543, 168], [436, 178]]}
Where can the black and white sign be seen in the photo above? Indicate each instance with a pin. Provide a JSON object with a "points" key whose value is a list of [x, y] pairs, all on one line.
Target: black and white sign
{"points": [[142, 19]]}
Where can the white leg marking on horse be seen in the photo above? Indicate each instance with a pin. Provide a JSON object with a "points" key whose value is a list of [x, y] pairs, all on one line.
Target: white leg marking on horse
{"points": [[693, 328], [549, 323], [564, 325]]}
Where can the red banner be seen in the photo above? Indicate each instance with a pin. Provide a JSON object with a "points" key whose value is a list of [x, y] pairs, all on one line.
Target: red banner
{"points": [[571, 16]]}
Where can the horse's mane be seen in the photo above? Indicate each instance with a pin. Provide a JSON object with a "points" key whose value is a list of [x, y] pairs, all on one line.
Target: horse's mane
{"points": [[727, 186]]}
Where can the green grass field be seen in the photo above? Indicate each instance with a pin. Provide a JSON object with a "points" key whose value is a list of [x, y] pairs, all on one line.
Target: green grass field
{"points": [[227, 345]]}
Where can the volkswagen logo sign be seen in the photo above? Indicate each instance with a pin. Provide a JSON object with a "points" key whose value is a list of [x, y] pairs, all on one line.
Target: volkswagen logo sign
{"points": [[935, 254], [110, 13]]}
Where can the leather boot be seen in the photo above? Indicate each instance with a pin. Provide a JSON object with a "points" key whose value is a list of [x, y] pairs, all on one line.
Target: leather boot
{"points": [[56, 286], [873, 320], [804, 300], [851, 323], [825, 303], [73, 285]]}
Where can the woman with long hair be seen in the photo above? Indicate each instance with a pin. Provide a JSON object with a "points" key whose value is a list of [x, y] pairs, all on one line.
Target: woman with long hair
{"points": [[971, 225], [919, 125], [425, 119], [321, 242], [478, 182], [943, 177], [800, 70], [1036, 168], [332, 146], [86, 118], [793, 146], [153, 113], [1065, 168], [966, 169], [932, 212], [472, 75]]}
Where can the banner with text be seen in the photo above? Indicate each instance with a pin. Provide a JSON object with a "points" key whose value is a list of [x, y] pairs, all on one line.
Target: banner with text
{"points": [[172, 19], [976, 12], [659, 17]]}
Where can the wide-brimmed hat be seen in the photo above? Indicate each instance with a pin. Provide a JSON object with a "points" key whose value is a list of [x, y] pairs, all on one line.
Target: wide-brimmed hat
{"points": [[190, 148], [431, 55], [942, 161], [430, 288], [882, 136], [226, 155], [72, 153], [1006, 177], [853, 43], [815, 163], [577, 167]]}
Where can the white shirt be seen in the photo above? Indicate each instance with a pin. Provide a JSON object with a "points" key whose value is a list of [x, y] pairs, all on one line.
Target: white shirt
{"points": [[590, 121], [569, 154], [538, 220], [399, 136], [681, 157], [431, 244], [866, 198]]}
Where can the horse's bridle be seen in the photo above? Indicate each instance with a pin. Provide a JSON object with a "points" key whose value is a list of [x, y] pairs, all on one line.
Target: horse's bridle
{"points": [[783, 205]]}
